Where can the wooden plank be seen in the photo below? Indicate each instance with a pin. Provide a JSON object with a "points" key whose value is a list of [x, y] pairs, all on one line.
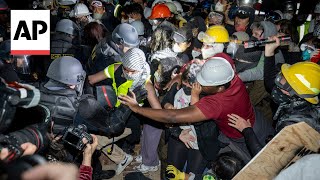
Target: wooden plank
{"points": [[280, 151]]}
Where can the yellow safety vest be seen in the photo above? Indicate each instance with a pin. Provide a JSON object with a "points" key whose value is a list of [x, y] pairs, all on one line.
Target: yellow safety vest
{"points": [[123, 89]]}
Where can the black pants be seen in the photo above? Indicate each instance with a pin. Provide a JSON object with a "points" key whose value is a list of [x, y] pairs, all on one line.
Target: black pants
{"points": [[179, 154]]}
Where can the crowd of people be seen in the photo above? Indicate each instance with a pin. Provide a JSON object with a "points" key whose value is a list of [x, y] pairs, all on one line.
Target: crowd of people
{"points": [[202, 85]]}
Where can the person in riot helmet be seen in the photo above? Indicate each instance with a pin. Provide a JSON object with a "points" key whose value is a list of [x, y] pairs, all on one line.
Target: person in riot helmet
{"points": [[66, 41], [110, 49], [60, 94], [12, 67]]}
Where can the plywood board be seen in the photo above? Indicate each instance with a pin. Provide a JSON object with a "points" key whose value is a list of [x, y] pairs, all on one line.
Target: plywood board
{"points": [[280, 151]]}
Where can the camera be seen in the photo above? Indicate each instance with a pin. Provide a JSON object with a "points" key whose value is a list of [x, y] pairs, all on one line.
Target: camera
{"points": [[74, 136], [35, 134]]}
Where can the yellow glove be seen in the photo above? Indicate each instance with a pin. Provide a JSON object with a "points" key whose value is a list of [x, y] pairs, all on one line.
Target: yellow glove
{"points": [[173, 173]]}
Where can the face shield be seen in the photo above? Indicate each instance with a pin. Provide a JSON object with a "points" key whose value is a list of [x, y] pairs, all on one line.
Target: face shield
{"points": [[79, 87], [21, 64]]}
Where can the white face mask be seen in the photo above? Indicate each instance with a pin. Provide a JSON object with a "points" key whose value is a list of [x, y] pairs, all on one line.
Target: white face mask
{"points": [[211, 51], [232, 48], [195, 54], [219, 7], [124, 21], [97, 16], [176, 48], [131, 20]]}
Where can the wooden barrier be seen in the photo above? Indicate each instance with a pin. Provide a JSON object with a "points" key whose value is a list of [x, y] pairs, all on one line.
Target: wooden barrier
{"points": [[280, 151]]}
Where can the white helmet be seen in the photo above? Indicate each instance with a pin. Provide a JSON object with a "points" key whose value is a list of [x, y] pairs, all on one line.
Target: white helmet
{"points": [[160, 1], [67, 2], [172, 7], [178, 5], [139, 27], [190, 1], [81, 10], [215, 72]]}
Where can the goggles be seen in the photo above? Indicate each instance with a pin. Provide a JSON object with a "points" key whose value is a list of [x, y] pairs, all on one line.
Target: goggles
{"points": [[96, 4], [285, 86]]}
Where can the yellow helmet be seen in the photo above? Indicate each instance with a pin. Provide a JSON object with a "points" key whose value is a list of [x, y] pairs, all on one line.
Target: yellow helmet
{"points": [[214, 34], [304, 78]]}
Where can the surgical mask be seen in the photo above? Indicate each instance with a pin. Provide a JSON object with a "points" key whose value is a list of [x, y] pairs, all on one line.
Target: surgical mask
{"points": [[288, 16], [241, 28], [131, 20], [124, 21], [207, 52], [219, 7], [195, 54], [176, 48], [97, 16], [232, 49]]}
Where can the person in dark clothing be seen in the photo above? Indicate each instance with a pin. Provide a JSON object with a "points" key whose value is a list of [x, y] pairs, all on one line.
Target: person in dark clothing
{"points": [[66, 41], [7, 71], [104, 13], [135, 13], [110, 49], [294, 89], [243, 20], [4, 21]]}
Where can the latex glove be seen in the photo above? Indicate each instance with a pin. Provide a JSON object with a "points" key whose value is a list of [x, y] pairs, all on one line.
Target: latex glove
{"points": [[174, 173]]}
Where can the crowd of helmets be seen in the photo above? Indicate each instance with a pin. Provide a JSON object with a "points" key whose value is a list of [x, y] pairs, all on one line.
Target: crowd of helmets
{"points": [[167, 42]]}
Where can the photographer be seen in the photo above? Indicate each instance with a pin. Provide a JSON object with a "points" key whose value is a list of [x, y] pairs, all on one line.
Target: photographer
{"points": [[49, 171]]}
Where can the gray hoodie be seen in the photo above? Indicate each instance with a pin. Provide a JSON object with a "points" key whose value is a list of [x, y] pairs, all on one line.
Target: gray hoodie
{"points": [[256, 73]]}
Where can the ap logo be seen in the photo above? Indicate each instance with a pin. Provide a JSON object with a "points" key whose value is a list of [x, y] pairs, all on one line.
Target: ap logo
{"points": [[30, 32]]}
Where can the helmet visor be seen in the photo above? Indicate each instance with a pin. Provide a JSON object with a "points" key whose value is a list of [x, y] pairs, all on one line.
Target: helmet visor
{"points": [[21, 64]]}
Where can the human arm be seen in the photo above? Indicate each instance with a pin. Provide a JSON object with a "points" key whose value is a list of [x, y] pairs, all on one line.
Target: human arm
{"points": [[100, 76], [151, 96], [28, 149], [85, 170], [244, 126], [52, 171], [189, 114], [195, 93], [270, 70], [95, 78], [253, 74]]}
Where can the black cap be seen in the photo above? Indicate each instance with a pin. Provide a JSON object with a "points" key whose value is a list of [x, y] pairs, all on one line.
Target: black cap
{"points": [[245, 12]]}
